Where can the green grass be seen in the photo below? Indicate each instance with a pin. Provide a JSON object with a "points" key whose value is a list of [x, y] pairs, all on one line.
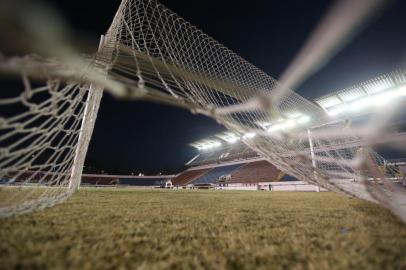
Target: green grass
{"points": [[157, 229]]}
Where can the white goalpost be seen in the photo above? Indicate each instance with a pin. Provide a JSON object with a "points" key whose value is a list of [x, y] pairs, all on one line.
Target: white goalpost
{"points": [[94, 96]]}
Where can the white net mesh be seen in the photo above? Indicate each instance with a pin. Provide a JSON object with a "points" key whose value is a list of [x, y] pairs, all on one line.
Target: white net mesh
{"points": [[176, 63], [38, 145], [45, 129], [153, 54]]}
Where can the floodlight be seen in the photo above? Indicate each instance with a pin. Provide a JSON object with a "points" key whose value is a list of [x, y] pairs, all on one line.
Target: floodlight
{"points": [[360, 104], [384, 98], [378, 86], [249, 135], [294, 114], [264, 125], [232, 140], [274, 128], [402, 90], [229, 137], [209, 145], [288, 124], [217, 144], [303, 119], [352, 94], [329, 102], [379, 99], [337, 110]]}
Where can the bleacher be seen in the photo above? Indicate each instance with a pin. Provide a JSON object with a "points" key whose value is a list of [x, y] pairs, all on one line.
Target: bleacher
{"points": [[142, 181], [254, 172], [99, 180], [188, 176], [123, 180], [214, 175], [287, 177]]}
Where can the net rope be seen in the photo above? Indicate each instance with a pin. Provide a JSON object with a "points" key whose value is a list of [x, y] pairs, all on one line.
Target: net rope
{"points": [[44, 133], [151, 53], [172, 61]]}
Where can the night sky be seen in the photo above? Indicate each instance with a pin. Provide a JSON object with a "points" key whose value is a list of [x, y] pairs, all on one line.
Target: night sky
{"points": [[150, 138]]}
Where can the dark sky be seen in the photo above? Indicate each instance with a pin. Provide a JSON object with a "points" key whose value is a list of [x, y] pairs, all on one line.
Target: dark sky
{"points": [[150, 138]]}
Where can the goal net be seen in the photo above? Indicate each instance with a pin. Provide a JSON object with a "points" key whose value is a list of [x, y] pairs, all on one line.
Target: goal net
{"points": [[151, 53]]}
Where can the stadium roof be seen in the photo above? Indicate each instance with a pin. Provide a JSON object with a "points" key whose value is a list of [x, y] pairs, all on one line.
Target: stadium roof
{"points": [[349, 102], [361, 98]]}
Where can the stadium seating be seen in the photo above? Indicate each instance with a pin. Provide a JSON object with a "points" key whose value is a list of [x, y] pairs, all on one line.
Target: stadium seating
{"points": [[214, 175], [188, 176], [4, 181], [142, 181], [40, 177], [287, 177], [103, 181], [254, 172]]}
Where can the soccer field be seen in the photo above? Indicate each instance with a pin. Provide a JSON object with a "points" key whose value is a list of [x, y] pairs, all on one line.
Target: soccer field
{"points": [[161, 229]]}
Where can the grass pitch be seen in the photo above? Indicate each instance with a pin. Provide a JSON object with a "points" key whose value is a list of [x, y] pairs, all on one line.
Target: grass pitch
{"points": [[158, 229]]}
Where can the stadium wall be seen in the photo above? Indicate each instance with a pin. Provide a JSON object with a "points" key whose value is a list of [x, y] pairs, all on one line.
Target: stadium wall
{"points": [[271, 186]]}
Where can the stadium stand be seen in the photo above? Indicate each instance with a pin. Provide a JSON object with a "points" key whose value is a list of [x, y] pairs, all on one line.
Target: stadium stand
{"points": [[287, 177], [4, 181], [256, 171], [213, 175], [124, 180], [34, 177], [99, 180], [188, 176], [142, 181]]}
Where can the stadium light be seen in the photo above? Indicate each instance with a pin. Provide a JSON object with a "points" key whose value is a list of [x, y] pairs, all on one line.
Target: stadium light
{"points": [[402, 90], [338, 110], [232, 140], [217, 144], [385, 98], [274, 128], [209, 145], [380, 98], [368, 96], [264, 125], [345, 102], [290, 123], [361, 104], [229, 137], [348, 96], [294, 114], [249, 135], [378, 86], [329, 102], [303, 119]]}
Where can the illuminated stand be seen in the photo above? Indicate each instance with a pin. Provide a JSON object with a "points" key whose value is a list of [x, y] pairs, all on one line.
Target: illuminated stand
{"points": [[349, 103]]}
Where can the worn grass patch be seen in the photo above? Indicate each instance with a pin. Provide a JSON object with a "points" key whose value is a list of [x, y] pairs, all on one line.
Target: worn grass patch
{"points": [[158, 229]]}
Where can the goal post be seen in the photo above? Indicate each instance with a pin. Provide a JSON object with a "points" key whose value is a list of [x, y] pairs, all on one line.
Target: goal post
{"points": [[94, 96], [45, 131]]}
